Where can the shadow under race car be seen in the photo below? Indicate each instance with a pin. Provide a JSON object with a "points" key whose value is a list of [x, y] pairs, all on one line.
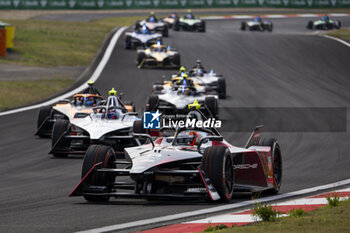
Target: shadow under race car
{"points": [[194, 162]]}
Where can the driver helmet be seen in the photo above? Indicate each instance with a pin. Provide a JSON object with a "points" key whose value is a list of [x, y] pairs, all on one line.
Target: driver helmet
{"points": [[182, 69], [189, 14], [113, 114], [326, 18], [257, 19], [144, 29], [89, 101]]}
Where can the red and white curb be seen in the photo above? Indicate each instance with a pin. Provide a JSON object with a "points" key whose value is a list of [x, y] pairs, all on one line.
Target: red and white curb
{"points": [[275, 16], [244, 217]]}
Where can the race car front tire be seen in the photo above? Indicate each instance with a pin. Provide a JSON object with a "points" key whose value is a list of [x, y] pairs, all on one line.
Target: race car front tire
{"points": [[153, 103], [310, 25], [202, 27], [177, 25], [177, 60], [338, 24], [59, 128], [222, 88], [217, 164], [270, 27], [212, 105], [243, 26], [140, 57], [96, 154], [277, 161], [128, 43], [44, 113], [165, 32]]}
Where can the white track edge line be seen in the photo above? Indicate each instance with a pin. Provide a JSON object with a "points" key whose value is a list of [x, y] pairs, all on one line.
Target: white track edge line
{"points": [[214, 209], [93, 77], [337, 39]]}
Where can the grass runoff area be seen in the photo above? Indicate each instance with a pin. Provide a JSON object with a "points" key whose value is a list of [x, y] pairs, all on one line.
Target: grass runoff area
{"points": [[47, 43], [41, 43], [332, 218], [343, 34]]}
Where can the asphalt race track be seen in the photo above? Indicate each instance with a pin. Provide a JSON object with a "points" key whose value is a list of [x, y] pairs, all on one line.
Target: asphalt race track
{"points": [[285, 68]]}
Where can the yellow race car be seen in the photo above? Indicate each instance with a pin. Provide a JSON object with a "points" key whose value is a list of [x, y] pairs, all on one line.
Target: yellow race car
{"points": [[158, 56]]}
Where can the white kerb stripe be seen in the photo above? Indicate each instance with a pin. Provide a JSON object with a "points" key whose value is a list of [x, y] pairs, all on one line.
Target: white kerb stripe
{"points": [[337, 39], [93, 78], [215, 209]]}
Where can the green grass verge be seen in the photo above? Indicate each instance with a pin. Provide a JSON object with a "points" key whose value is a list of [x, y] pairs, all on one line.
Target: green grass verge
{"points": [[57, 43], [18, 93], [343, 34], [50, 44], [322, 220]]}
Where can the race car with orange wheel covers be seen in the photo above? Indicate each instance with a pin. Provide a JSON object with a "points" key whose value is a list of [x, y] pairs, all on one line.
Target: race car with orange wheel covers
{"points": [[194, 162], [158, 56], [142, 37], [110, 123], [324, 23], [258, 24], [67, 109]]}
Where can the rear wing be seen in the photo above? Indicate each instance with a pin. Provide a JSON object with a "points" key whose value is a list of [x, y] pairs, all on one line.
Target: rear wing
{"points": [[255, 137]]}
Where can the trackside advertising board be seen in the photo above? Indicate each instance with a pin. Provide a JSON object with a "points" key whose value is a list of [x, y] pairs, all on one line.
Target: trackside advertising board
{"points": [[168, 4]]}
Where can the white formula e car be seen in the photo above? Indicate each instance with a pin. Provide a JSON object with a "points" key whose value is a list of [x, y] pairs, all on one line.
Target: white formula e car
{"points": [[175, 97], [158, 56], [189, 23], [109, 124], [142, 37], [258, 24], [324, 23], [154, 24], [171, 19], [194, 162]]}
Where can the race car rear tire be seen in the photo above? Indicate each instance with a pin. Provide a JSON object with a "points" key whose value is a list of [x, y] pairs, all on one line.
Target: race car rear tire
{"points": [[165, 32], [96, 154], [243, 26], [270, 27], [153, 103], [338, 24], [202, 27], [177, 60], [212, 105], [310, 25], [217, 164], [222, 88], [138, 127], [277, 162], [44, 113], [59, 128], [128, 44], [177, 25], [140, 57]]}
